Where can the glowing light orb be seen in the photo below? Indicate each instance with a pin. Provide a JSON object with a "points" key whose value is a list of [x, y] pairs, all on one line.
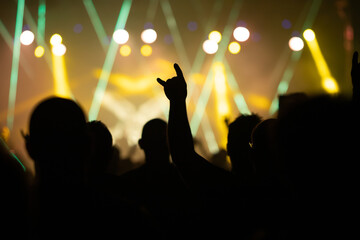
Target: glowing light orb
{"points": [[296, 44], [59, 49], [125, 50], [121, 36], [210, 46], [27, 37], [309, 35], [241, 34], [149, 36], [215, 36], [330, 85], [55, 39], [146, 50], [234, 47], [39, 51]]}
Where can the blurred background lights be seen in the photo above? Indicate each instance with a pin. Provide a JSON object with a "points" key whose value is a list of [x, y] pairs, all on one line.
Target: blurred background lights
{"points": [[78, 28], [286, 24], [192, 26], [241, 34], [234, 47], [58, 49], [330, 85], [296, 44], [121, 36], [149, 36], [309, 35], [125, 50], [55, 39], [210, 46], [27, 37], [39, 51], [215, 36], [146, 50], [148, 25]]}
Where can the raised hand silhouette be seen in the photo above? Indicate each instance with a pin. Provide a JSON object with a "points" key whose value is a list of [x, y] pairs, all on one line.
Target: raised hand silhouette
{"points": [[175, 88]]}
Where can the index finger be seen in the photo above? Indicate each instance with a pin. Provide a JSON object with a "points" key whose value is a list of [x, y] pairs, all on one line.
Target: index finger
{"points": [[178, 70]]}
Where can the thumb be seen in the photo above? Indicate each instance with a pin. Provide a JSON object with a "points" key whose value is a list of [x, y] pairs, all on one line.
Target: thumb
{"points": [[161, 82]]}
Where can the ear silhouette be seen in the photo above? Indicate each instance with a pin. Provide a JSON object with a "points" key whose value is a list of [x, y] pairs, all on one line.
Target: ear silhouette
{"points": [[141, 143]]}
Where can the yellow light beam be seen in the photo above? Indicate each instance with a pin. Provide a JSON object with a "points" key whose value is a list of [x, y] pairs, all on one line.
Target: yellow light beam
{"points": [[328, 82], [61, 84]]}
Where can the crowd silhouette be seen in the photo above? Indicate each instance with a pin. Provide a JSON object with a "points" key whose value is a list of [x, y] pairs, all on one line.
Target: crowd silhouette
{"points": [[293, 176]]}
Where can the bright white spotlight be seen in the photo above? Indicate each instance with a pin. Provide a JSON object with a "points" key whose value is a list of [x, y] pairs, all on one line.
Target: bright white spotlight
{"points": [[241, 34], [149, 36], [55, 39], [309, 35], [215, 36], [121, 36], [296, 44], [27, 37], [59, 49], [210, 46]]}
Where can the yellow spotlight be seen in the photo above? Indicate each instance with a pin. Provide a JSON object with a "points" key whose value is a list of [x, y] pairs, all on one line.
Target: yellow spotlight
{"points": [[39, 51], [210, 46], [146, 50], [309, 35], [221, 101], [125, 50], [328, 82], [241, 34], [149, 36], [234, 47], [61, 85], [296, 44], [59, 49], [27, 37], [121, 36], [55, 39], [215, 36]]}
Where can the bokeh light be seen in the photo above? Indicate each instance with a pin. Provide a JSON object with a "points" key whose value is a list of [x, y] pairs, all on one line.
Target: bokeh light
{"points": [[210, 46], [149, 36], [58, 49], [215, 36], [168, 39], [78, 28], [55, 39], [27, 37], [125, 50], [234, 47], [241, 34], [192, 26], [330, 85], [146, 50], [39, 51], [286, 24], [121, 36], [296, 44], [148, 25], [309, 35]]}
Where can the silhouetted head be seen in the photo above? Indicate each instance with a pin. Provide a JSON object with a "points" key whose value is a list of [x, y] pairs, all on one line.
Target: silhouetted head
{"points": [[101, 146], [57, 139], [154, 140], [239, 137]]}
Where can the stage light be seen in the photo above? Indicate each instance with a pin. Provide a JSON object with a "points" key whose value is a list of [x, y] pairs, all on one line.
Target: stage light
{"points": [[121, 36], [215, 36], [55, 39], [149, 36], [234, 47], [27, 37], [210, 46], [330, 85], [59, 49], [125, 50], [146, 50], [296, 44], [309, 35], [241, 34], [39, 51]]}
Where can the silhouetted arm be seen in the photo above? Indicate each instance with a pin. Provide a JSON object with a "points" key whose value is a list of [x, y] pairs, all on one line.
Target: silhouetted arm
{"points": [[355, 78], [180, 138]]}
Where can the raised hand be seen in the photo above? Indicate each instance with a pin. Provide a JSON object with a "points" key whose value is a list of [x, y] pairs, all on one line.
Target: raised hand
{"points": [[175, 88]]}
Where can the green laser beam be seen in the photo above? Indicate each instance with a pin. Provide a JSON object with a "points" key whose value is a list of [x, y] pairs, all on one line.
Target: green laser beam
{"points": [[41, 23], [205, 92], [171, 22], [96, 22], [6, 35], [108, 63], [151, 11], [15, 63], [295, 57]]}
